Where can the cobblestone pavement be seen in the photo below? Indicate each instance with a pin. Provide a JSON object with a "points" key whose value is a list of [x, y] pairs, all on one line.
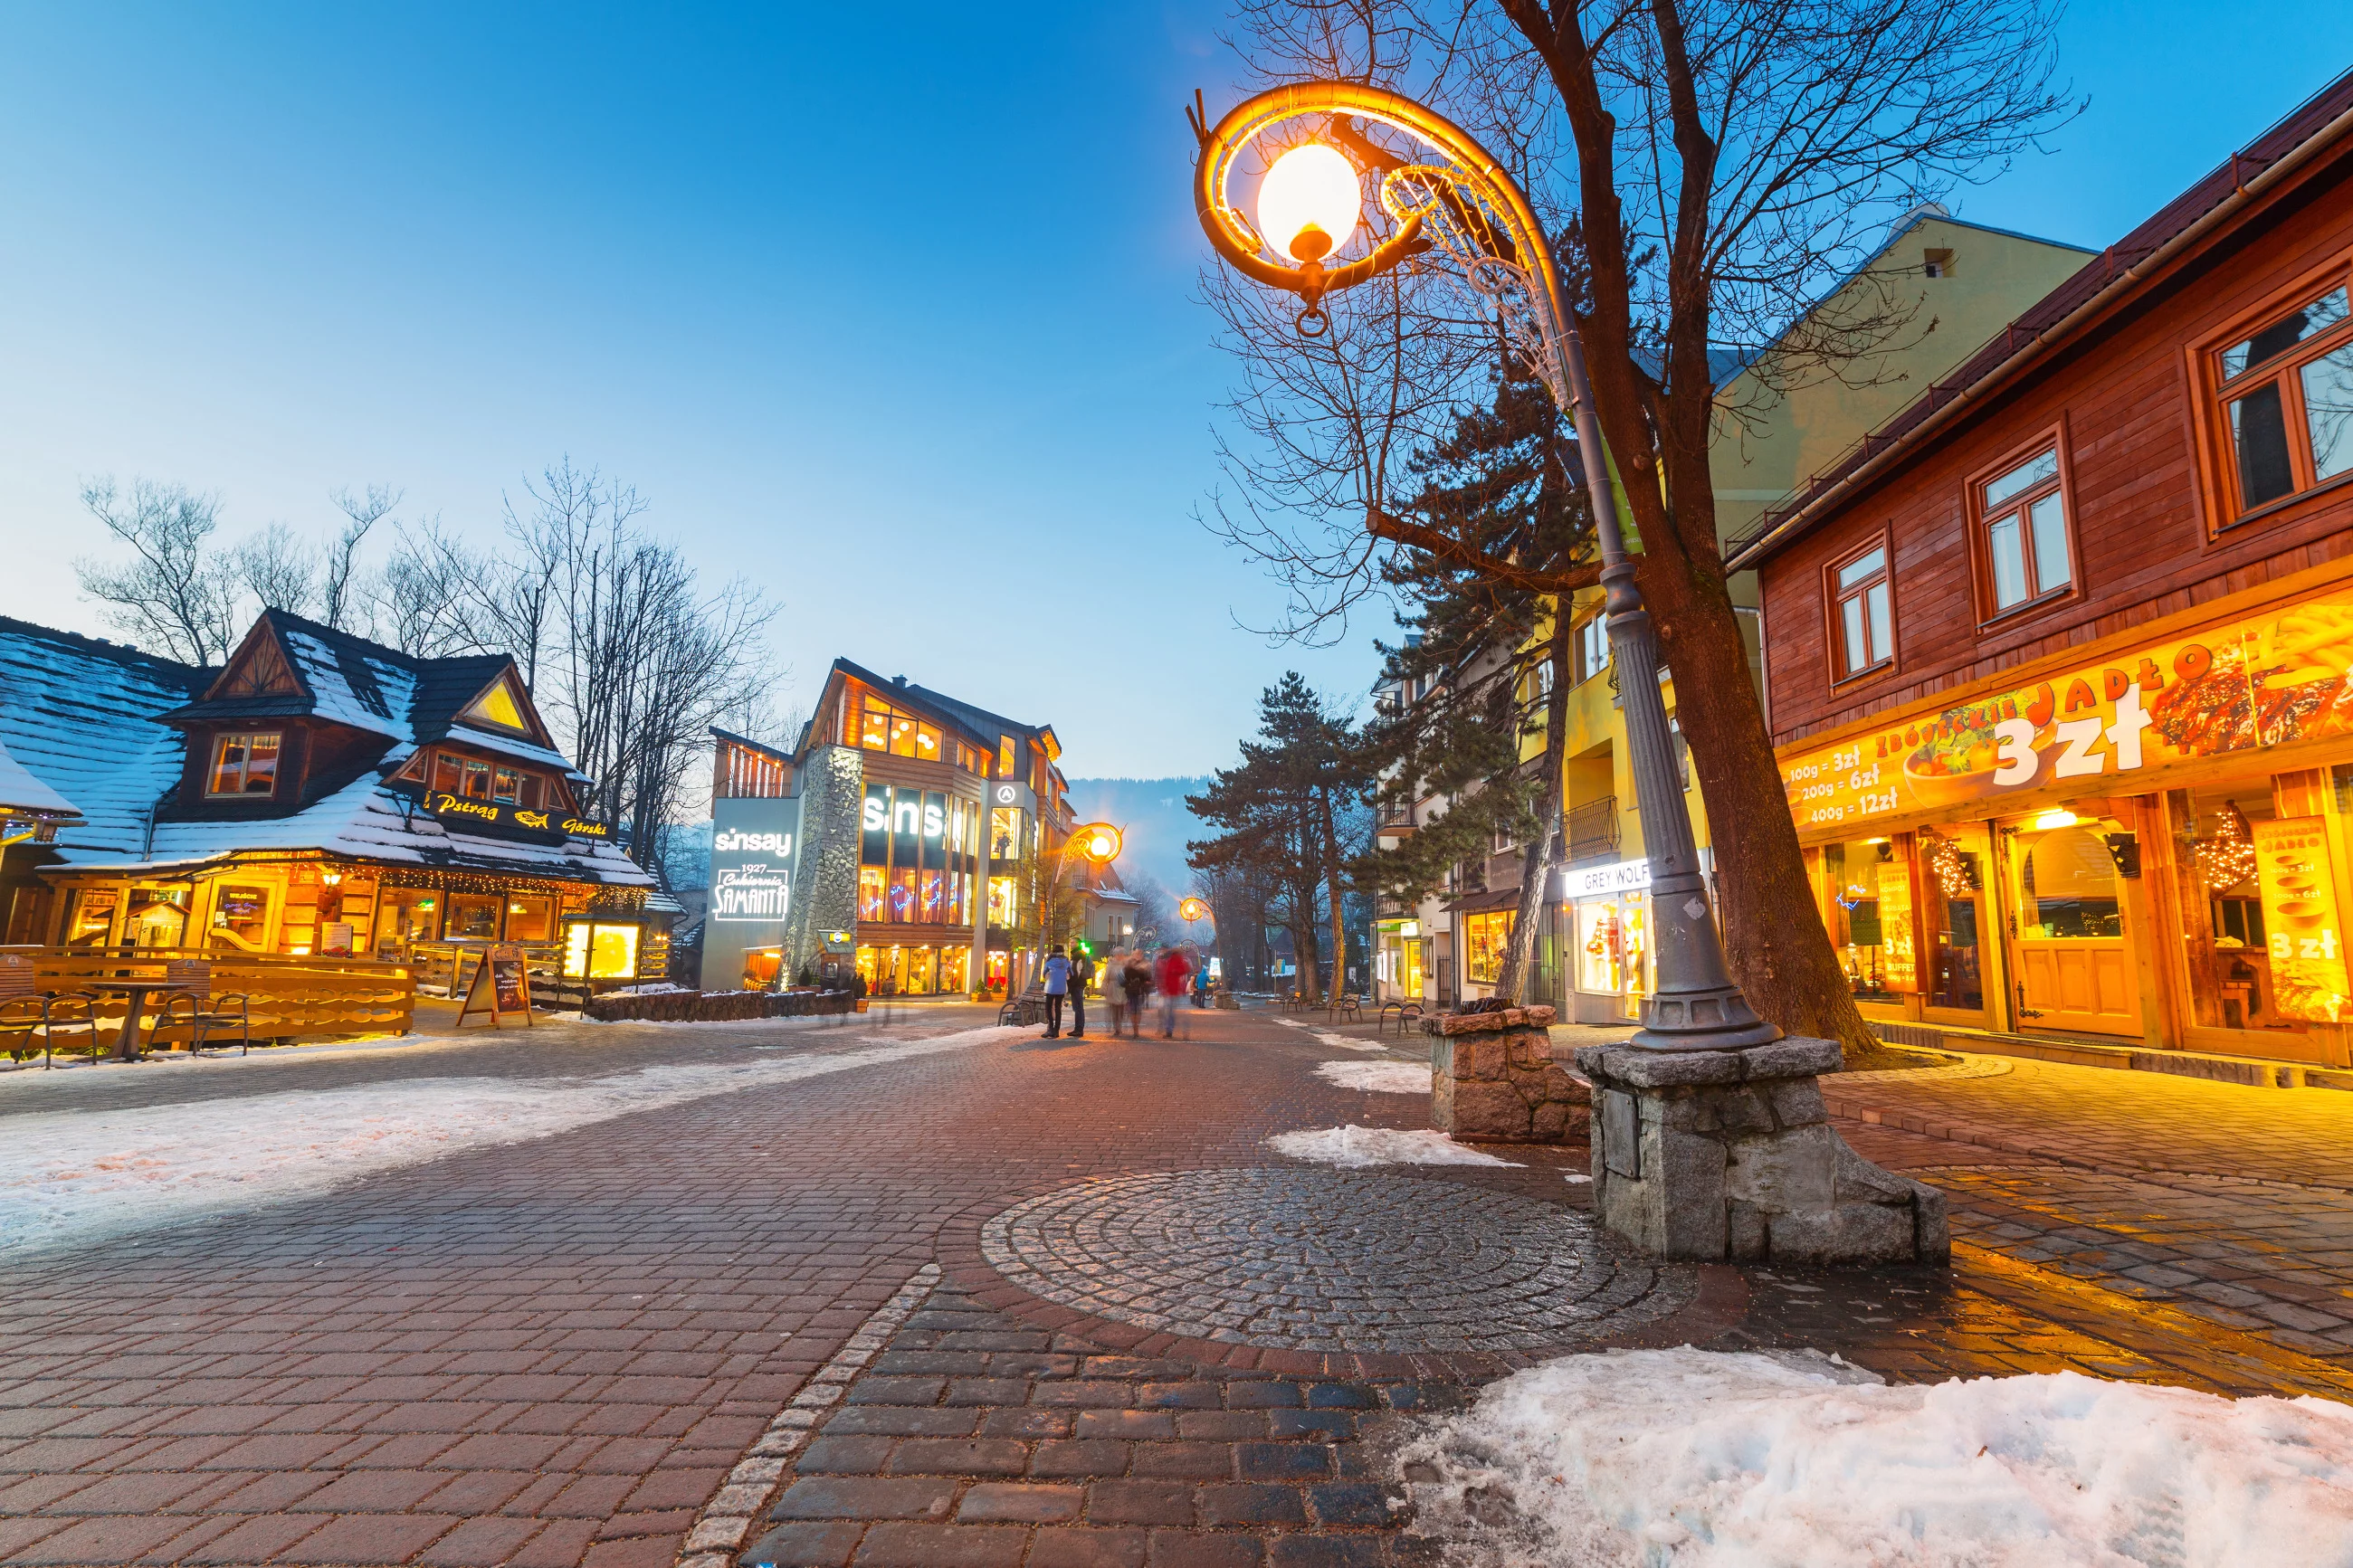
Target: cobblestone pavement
{"points": [[1328, 1261], [569, 1350], [976, 1436], [2104, 1119], [2259, 1256]]}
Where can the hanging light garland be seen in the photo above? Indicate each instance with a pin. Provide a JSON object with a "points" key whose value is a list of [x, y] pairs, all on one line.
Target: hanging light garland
{"points": [[1952, 873], [2228, 858]]}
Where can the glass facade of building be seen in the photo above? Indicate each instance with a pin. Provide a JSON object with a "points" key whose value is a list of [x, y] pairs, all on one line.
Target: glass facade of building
{"points": [[917, 857]]}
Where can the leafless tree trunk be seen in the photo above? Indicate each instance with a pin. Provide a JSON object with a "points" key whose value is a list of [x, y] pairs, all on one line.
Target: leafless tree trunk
{"points": [[176, 594], [339, 583]]}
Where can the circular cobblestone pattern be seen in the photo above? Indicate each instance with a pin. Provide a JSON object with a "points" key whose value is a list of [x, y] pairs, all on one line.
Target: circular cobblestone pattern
{"points": [[1328, 1261]]}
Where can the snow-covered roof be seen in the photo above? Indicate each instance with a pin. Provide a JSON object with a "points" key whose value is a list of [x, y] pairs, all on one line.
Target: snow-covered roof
{"points": [[78, 714], [20, 791], [348, 679], [84, 719], [368, 821]]}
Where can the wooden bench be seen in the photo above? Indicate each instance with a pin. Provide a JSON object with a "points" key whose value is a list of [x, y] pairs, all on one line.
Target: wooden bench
{"points": [[26, 1010]]}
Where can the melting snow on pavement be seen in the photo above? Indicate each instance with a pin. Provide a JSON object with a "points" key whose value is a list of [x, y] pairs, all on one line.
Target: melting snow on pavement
{"points": [[1381, 1078], [1703, 1459], [1356, 1147], [67, 1177], [1326, 1037]]}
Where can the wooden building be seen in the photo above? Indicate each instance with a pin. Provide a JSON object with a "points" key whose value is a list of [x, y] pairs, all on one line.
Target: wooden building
{"points": [[320, 794], [2058, 658]]}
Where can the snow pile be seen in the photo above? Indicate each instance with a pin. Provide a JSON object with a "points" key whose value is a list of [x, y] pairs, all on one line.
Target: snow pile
{"points": [[1326, 1037], [69, 1177], [1700, 1459], [1356, 1147], [1380, 1077]]}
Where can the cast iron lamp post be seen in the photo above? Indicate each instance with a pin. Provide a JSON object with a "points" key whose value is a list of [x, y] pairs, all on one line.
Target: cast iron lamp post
{"points": [[1448, 199]]}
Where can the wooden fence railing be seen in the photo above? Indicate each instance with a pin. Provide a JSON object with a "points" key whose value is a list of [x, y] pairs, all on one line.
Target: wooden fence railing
{"points": [[288, 995]]}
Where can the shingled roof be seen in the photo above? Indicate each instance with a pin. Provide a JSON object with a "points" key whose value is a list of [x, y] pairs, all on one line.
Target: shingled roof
{"points": [[91, 720]]}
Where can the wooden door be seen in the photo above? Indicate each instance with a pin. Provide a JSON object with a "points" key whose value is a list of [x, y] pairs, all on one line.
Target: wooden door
{"points": [[2071, 949]]}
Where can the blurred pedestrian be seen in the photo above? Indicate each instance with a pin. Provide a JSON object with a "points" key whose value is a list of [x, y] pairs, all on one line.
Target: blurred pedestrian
{"points": [[1058, 984], [1135, 980], [1173, 972], [1115, 984]]}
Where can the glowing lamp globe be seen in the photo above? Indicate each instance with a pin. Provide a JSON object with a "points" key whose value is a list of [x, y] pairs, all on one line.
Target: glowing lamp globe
{"points": [[1309, 202], [1099, 842], [1192, 909]]}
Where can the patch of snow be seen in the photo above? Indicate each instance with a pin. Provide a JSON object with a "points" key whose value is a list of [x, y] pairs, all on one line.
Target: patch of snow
{"points": [[1574, 1178], [70, 1177], [1380, 1078], [1703, 1459], [1356, 1147], [1326, 1037]]}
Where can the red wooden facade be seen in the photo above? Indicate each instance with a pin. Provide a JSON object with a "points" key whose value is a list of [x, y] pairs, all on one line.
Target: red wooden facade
{"points": [[2095, 780]]}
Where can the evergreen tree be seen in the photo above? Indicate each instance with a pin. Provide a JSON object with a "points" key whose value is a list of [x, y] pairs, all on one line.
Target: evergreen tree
{"points": [[1294, 812], [1491, 663]]}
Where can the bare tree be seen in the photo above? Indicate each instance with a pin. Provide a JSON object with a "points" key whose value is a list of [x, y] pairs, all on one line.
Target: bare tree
{"points": [[341, 585], [1714, 166], [420, 601], [278, 569], [176, 594]]}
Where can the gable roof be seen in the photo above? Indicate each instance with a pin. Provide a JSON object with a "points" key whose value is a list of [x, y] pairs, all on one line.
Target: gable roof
{"points": [[979, 725], [87, 720], [349, 680], [2060, 316]]}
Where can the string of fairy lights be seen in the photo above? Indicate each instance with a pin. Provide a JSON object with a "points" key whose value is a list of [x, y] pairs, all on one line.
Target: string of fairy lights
{"points": [[2227, 857]]}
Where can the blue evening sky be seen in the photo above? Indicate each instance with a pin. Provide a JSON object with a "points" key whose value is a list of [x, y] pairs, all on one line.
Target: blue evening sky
{"points": [[888, 308]]}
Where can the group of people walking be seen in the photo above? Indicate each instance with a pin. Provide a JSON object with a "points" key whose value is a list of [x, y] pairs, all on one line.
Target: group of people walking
{"points": [[1128, 979]]}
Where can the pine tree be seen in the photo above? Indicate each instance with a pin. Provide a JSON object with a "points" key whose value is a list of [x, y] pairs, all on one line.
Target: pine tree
{"points": [[1292, 812], [1491, 662]]}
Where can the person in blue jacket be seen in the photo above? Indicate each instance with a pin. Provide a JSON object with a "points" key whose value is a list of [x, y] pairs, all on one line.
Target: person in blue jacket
{"points": [[1058, 986]]}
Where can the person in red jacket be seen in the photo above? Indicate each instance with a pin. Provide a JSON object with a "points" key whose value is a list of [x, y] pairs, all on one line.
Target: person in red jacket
{"points": [[1171, 972]]}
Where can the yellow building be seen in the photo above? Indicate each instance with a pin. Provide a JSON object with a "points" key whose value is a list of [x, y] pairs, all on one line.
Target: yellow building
{"points": [[1970, 282]]}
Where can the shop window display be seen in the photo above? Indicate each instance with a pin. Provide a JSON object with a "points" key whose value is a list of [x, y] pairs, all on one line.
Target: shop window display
{"points": [[1485, 936], [1612, 948], [158, 917], [94, 917], [2225, 939], [240, 919], [917, 865], [531, 919], [1866, 891], [1953, 904]]}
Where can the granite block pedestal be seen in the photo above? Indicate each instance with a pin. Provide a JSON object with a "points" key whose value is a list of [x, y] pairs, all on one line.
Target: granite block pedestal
{"points": [[1493, 1080], [1728, 1156]]}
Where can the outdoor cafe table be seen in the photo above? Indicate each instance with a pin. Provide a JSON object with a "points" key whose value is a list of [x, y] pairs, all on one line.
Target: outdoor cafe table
{"points": [[126, 1043]]}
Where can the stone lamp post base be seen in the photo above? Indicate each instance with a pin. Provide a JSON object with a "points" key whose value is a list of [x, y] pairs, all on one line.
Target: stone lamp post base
{"points": [[1493, 1080], [1718, 1156]]}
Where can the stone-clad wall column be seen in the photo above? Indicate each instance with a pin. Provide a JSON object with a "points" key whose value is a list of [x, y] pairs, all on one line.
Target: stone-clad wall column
{"points": [[825, 878]]}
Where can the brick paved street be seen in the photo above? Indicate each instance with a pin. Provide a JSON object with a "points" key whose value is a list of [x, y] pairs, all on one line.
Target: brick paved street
{"points": [[559, 1350]]}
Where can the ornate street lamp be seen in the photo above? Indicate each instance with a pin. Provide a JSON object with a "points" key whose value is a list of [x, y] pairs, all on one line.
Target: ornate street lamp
{"points": [[1447, 200], [1710, 1138]]}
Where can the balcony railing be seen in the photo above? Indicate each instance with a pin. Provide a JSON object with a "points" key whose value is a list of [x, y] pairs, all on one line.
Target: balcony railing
{"points": [[1593, 829]]}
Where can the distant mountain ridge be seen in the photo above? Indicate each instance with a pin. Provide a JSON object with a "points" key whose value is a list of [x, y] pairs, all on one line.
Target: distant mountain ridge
{"points": [[1151, 816]]}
